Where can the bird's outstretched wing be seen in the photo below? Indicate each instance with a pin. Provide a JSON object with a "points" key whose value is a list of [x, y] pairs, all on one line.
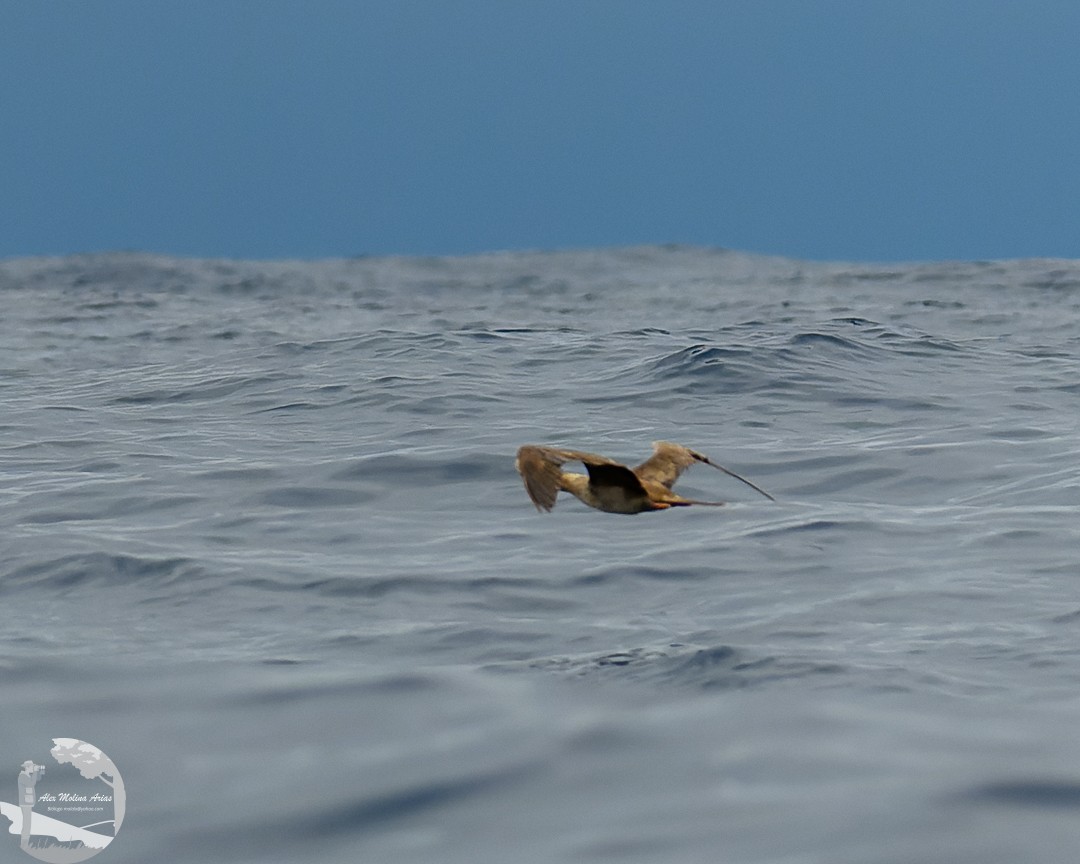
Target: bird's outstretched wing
{"points": [[541, 469], [670, 460], [667, 463]]}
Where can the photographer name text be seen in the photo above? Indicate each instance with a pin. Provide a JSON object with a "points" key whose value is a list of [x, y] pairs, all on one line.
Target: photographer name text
{"points": [[67, 796]]}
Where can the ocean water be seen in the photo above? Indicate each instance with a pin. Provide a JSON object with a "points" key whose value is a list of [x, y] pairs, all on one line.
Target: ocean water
{"points": [[264, 544]]}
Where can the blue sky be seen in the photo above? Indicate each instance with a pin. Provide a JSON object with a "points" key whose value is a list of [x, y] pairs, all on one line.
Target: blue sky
{"points": [[824, 129]]}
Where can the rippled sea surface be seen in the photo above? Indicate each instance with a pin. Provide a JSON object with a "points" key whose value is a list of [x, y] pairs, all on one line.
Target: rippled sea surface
{"points": [[264, 544]]}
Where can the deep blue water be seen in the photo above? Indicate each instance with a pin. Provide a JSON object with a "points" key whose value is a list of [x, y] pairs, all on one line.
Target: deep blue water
{"points": [[263, 543]]}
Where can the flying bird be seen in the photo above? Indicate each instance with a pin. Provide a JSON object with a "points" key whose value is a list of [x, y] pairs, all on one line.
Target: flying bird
{"points": [[611, 486]]}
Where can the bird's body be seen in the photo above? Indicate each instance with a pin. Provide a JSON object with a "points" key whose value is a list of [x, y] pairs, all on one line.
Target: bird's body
{"points": [[609, 485]]}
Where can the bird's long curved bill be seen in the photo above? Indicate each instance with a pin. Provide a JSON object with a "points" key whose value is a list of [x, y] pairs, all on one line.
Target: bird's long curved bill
{"points": [[743, 479]]}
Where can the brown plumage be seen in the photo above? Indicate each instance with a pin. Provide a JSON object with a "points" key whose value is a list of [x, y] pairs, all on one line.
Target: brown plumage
{"points": [[611, 486]]}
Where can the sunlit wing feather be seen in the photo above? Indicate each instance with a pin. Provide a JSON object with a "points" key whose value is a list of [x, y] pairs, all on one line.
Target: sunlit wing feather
{"points": [[670, 460], [667, 463], [541, 470]]}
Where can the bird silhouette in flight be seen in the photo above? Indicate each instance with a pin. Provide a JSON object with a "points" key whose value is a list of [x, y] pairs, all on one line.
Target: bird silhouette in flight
{"points": [[611, 486]]}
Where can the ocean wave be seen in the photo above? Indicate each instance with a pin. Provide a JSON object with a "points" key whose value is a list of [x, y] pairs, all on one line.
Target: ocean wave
{"points": [[1041, 793], [684, 666], [251, 502], [101, 569]]}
